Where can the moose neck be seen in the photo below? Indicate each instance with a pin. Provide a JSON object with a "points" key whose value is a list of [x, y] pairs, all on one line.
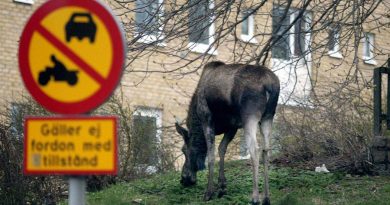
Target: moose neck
{"points": [[197, 139]]}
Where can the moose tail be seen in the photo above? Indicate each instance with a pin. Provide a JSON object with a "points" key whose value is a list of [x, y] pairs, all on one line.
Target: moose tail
{"points": [[272, 90]]}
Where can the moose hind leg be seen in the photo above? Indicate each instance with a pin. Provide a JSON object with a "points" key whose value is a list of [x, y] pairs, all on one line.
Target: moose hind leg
{"points": [[266, 128], [227, 138], [250, 128]]}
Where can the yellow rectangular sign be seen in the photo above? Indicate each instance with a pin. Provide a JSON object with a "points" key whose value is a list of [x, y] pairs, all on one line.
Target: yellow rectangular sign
{"points": [[70, 145]]}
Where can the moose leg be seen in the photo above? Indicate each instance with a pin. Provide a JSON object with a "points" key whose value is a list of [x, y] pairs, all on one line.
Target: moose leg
{"points": [[266, 128], [250, 128], [210, 138], [227, 138]]}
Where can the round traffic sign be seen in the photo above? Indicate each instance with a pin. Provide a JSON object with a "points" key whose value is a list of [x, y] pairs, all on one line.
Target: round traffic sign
{"points": [[71, 55]]}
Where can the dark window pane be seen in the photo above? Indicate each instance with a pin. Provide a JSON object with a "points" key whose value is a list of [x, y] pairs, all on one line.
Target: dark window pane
{"points": [[332, 40], [245, 23], [281, 49], [334, 35], [146, 17], [199, 21], [369, 41], [145, 140], [299, 37]]}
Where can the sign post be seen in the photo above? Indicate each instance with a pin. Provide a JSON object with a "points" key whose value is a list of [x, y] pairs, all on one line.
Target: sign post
{"points": [[71, 57], [77, 187]]}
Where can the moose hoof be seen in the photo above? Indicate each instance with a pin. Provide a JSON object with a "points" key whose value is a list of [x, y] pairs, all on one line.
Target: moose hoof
{"points": [[266, 201], [255, 202], [208, 195], [221, 193]]}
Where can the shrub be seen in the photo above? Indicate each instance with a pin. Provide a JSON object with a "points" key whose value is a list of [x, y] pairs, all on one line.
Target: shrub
{"points": [[338, 135], [15, 188]]}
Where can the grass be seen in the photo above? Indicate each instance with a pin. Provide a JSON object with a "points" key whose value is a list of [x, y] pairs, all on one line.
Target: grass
{"points": [[288, 187]]}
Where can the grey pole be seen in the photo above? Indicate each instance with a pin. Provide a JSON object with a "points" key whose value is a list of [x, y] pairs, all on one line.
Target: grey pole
{"points": [[77, 188]]}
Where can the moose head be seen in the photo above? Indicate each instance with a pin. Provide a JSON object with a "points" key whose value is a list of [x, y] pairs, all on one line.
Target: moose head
{"points": [[195, 152]]}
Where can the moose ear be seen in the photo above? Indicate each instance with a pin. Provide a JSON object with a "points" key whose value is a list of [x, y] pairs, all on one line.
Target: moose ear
{"points": [[182, 131]]}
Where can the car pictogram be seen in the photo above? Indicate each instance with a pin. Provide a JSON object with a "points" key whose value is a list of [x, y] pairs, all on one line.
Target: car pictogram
{"points": [[59, 72], [80, 25]]}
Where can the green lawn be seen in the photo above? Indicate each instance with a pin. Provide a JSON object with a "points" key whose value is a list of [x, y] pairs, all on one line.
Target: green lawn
{"points": [[288, 186]]}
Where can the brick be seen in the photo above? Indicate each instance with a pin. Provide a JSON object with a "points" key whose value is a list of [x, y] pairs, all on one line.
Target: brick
{"points": [[156, 91]]}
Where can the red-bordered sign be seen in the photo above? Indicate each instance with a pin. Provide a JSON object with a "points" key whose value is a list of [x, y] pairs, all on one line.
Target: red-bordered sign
{"points": [[47, 84], [78, 145]]}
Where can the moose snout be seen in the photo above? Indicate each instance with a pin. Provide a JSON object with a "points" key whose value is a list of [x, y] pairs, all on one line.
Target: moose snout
{"points": [[187, 181]]}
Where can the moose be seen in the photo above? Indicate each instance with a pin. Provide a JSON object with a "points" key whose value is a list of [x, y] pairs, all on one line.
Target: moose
{"points": [[229, 97]]}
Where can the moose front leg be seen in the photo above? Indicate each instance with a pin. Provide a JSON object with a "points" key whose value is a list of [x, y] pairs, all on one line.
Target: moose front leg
{"points": [[227, 138], [210, 139]]}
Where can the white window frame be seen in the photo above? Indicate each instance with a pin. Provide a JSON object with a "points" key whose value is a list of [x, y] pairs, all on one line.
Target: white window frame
{"points": [[16, 109], [153, 38], [206, 48], [151, 112], [157, 113], [295, 71], [25, 1], [306, 54], [369, 40], [335, 53], [251, 30]]}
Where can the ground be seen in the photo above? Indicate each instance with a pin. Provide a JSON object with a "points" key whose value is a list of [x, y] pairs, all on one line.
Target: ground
{"points": [[288, 186]]}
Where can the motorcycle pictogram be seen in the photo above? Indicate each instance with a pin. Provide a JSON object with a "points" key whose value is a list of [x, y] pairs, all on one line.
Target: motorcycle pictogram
{"points": [[59, 72]]}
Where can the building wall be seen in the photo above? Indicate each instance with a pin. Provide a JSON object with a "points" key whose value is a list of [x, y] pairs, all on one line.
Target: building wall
{"points": [[13, 16], [171, 92]]}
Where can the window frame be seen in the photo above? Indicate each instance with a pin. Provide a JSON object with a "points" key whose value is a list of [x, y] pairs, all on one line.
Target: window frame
{"points": [[292, 13], [307, 37], [294, 71], [157, 114], [201, 47], [336, 33], [150, 38], [151, 112], [281, 10], [25, 1], [16, 110], [251, 28], [369, 40]]}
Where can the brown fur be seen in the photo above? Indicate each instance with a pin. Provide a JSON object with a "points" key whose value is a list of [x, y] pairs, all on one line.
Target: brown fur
{"points": [[228, 97]]}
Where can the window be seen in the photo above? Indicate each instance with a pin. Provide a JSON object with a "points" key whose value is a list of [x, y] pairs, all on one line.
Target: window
{"points": [[334, 42], [300, 36], [146, 131], [201, 26], [148, 17], [247, 27], [281, 49], [291, 59], [368, 48], [17, 116], [25, 1], [295, 41]]}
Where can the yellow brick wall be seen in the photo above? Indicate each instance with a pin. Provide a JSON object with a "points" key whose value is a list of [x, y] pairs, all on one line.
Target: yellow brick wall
{"points": [[13, 17], [168, 92]]}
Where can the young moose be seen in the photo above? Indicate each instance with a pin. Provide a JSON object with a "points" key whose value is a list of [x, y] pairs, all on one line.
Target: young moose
{"points": [[229, 97]]}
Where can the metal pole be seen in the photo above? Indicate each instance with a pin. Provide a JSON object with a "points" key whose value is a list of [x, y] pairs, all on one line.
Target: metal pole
{"points": [[377, 102], [77, 186], [388, 94]]}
